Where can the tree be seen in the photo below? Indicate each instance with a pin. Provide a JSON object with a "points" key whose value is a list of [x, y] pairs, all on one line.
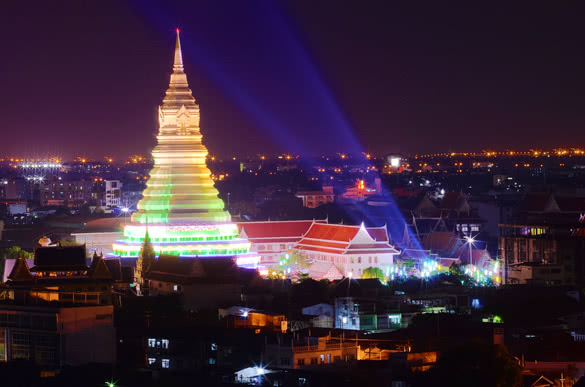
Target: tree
{"points": [[16, 252], [294, 260], [303, 277], [68, 243], [243, 208], [374, 272], [297, 258], [477, 364]]}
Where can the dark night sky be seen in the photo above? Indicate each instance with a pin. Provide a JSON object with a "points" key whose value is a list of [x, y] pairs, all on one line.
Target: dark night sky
{"points": [[85, 77]]}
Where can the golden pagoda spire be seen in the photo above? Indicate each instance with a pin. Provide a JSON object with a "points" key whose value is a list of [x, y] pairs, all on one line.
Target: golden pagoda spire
{"points": [[178, 92], [180, 188], [180, 212], [178, 64]]}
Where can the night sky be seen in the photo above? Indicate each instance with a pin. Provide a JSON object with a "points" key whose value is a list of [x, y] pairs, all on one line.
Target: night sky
{"points": [[309, 77]]}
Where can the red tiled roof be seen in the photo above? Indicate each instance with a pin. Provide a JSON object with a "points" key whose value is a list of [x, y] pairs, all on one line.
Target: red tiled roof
{"points": [[402, 192], [377, 250], [321, 249], [276, 229], [374, 247], [535, 202], [334, 238], [571, 204], [361, 246], [314, 193], [332, 232], [450, 200], [275, 240], [440, 241], [415, 253], [477, 255], [326, 244], [169, 268]]}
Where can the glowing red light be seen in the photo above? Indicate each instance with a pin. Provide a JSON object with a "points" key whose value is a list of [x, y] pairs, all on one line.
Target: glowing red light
{"points": [[177, 30]]}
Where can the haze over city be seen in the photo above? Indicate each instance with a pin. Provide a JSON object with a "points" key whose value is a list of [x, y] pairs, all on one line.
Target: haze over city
{"points": [[85, 77]]}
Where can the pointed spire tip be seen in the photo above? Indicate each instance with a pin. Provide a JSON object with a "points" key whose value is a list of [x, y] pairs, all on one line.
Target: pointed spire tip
{"points": [[178, 62]]}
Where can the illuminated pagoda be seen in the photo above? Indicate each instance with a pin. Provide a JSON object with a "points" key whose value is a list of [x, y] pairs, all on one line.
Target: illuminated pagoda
{"points": [[180, 205]]}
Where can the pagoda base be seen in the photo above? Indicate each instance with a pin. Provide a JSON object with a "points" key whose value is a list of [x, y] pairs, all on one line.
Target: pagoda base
{"points": [[187, 240]]}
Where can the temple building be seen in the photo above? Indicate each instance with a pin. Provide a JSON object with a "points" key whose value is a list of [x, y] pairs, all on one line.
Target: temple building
{"points": [[180, 205], [272, 240], [61, 274], [352, 249], [58, 311], [332, 251]]}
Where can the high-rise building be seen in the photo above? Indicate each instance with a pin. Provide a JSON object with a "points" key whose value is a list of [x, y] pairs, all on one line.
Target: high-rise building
{"points": [[180, 205], [71, 193], [113, 193]]}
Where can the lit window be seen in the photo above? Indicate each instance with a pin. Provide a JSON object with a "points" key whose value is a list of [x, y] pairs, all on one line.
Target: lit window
{"points": [[211, 360], [175, 287], [165, 343], [166, 363], [213, 346], [151, 360], [151, 343]]}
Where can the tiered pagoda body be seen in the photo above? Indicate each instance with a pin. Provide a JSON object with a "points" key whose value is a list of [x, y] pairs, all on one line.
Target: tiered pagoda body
{"points": [[180, 205]]}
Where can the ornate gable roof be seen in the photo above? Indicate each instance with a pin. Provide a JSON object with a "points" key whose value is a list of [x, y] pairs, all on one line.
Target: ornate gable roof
{"points": [[98, 268], [20, 272]]}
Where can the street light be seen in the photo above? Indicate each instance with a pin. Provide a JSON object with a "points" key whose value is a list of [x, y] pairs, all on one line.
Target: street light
{"points": [[470, 241]]}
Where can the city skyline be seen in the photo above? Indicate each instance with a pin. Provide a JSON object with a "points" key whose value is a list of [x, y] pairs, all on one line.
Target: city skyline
{"points": [[292, 193], [287, 83]]}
